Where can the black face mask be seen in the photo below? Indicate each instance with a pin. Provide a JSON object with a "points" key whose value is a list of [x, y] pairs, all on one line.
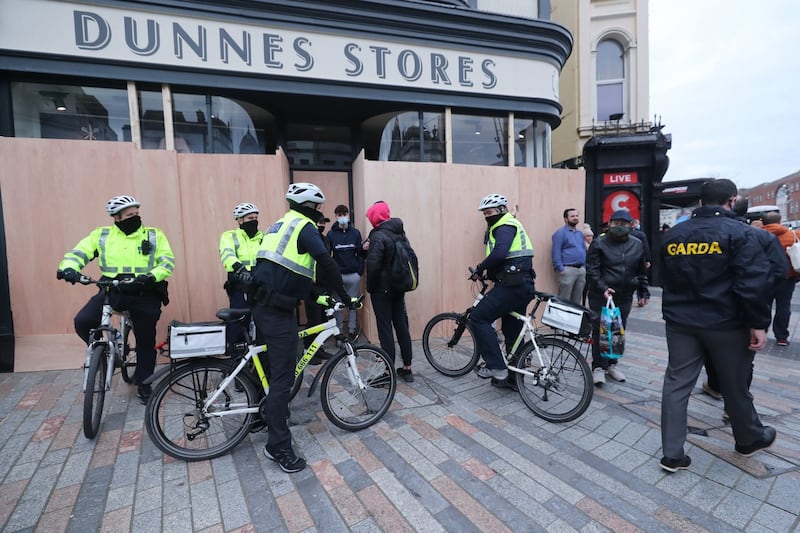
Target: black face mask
{"points": [[492, 219], [619, 233], [250, 227], [129, 225], [310, 212]]}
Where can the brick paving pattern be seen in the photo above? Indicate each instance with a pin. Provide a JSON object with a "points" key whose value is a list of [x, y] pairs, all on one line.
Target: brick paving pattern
{"points": [[453, 454]]}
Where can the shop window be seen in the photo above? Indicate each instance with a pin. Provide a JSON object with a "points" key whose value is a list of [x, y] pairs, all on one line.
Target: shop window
{"points": [[480, 140], [610, 77], [532, 143], [410, 136], [318, 146], [206, 124], [50, 111]]}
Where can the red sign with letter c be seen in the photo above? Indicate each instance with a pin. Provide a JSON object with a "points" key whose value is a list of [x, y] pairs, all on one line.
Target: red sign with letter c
{"points": [[621, 200]]}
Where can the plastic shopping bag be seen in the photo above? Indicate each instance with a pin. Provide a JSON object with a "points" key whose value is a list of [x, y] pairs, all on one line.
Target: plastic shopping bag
{"points": [[612, 334], [793, 252]]}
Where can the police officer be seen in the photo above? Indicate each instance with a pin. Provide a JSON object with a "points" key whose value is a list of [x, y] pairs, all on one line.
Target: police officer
{"points": [[716, 302], [291, 249], [237, 251], [125, 250], [509, 264]]}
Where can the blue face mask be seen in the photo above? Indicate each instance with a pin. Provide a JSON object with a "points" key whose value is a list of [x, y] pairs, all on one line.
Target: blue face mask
{"points": [[343, 220]]}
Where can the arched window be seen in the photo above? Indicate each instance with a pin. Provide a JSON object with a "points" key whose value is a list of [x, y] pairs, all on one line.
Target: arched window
{"points": [[610, 80]]}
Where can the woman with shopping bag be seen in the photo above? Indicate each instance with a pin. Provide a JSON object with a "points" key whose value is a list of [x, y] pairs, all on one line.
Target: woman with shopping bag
{"points": [[615, 271]]}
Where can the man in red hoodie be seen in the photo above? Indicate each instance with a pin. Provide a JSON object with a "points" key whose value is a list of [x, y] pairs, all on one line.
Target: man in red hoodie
{"points": [[389, 304], [784, 288]]}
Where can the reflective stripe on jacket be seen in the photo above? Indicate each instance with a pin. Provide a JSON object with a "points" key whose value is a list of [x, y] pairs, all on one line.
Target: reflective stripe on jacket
{"points": [[120, 254], [279, 245], [235, 246], [521, 245]]}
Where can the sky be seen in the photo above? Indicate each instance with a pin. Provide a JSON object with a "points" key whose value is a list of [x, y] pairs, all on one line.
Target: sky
{"points": [[725, 82]]}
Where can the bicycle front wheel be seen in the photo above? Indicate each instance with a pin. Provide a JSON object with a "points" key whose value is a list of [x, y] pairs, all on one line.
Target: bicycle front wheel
{"points": [[449, 345], [95, 394], [175, 419], [128, 355], [346, 404], [561, 388]]}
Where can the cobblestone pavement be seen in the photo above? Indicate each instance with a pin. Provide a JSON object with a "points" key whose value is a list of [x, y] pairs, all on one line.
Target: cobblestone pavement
{"points": [[453, 454]]}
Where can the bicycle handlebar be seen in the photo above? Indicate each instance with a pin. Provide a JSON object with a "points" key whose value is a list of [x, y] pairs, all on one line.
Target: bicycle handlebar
{"points": [[86, 280]]}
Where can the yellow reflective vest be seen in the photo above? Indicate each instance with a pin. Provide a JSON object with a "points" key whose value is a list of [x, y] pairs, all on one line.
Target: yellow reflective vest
{"points": [[119, 254], [279, 245], [235, 246], [521, 245]]}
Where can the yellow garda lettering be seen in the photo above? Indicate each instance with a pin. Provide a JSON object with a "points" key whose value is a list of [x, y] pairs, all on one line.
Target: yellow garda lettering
{"points": [[694, 248]]}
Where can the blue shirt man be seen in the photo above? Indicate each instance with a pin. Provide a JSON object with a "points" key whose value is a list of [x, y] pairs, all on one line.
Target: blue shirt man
{"points": [[569, 258]]}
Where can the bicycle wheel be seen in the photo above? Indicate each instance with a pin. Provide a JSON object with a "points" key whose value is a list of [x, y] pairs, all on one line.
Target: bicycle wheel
{"points": [[565, 391], [176, 423], [95, 394], [449, 345], [128, 366], [344, 403]]}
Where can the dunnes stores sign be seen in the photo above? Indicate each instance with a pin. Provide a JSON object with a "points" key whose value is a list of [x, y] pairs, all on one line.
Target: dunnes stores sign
{"points": [[115, 34]]}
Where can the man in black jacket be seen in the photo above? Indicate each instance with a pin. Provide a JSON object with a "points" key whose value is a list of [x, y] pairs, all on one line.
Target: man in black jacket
{"points": [[716, 303], [615, 268]]}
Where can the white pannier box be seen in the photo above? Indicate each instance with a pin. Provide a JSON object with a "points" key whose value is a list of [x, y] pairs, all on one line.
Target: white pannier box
{"points": [[198, 339], [569, 317]]}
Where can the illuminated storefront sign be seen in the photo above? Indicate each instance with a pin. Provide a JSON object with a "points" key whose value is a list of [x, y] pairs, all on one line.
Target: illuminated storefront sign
{"points": [[114, 34]]}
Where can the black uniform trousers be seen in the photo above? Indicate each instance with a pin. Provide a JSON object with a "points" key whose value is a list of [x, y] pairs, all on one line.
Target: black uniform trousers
{"points": [[144, 310], [278, 329], [727, 349]]}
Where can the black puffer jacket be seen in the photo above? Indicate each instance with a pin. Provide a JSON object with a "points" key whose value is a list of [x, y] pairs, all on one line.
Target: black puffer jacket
{"points": [[619, 265], [381, 250]]}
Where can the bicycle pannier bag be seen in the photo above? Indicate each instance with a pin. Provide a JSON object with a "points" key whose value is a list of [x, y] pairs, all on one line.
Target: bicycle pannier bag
{"points": [[612, 333], [574, 319], [404, 267], [197, 339], [793, 252]]}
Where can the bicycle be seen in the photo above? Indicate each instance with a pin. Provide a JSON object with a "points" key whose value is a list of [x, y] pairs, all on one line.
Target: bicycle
{"points": [[551, 375], [206, 406], [109, 349]]}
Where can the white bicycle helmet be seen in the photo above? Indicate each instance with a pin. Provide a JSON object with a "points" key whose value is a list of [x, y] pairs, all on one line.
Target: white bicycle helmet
{"points": [[244, 209], [493, 200], [305, 192], [118, 203]]}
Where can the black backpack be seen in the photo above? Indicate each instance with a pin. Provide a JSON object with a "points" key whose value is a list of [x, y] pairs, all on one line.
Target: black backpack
{"points": [[403, 268]]}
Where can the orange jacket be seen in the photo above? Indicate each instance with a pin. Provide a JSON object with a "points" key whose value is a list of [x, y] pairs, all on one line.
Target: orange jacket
{"points": [[786, 238]]}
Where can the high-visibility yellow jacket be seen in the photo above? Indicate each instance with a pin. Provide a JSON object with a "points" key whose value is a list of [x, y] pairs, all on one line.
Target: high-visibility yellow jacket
{"points": [[235, 246], [521, 245], [279, 245], [119, 254]]}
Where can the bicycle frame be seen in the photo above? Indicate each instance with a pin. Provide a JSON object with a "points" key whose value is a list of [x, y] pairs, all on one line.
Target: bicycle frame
{"points": [[112, 337], [322, 331]]}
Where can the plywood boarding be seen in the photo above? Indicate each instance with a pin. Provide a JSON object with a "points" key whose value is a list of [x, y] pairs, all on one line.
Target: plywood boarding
{"points": [[54, 193]]}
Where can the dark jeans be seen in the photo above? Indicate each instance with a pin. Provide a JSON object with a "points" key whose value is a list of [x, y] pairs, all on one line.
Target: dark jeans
{"points": [[688, 349], [390, 310], [278, 328], [497, 303], [144, 310], [784, 289], [596, 303]]}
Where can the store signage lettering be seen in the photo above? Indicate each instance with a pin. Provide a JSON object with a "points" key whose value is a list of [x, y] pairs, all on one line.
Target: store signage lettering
{"points": [[146, 37], [620, 178]]}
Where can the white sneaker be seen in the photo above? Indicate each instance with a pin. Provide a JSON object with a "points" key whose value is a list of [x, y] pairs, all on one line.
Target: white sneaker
{"points": [[615, 374], [599, 376]]}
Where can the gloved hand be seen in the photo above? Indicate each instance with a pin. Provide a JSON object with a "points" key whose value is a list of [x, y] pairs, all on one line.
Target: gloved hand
{"points": [[243, 276], [476, 274], [237, 267], [356, 303], [325, 300], [148, 281], [69, 275]]}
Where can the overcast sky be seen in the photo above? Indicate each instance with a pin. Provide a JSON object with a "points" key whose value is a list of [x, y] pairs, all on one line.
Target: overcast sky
{"points": [[725, 80]]}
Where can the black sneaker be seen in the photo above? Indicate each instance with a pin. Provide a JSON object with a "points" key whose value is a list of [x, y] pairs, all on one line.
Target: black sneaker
{"points": [[757, 446], [144, 392], [673, 465], [286, 459], [406, 374], [508, 383]]}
